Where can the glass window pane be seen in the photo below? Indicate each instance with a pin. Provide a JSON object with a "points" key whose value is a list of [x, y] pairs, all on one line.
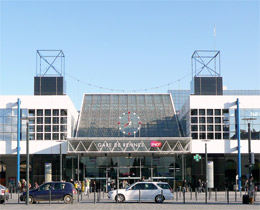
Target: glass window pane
{"points": [[39, 112], [202, 112], [47, 112], [209, 111]]}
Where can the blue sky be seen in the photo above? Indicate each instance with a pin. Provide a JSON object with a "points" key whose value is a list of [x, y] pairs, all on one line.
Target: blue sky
{"points": [[128, 44]]}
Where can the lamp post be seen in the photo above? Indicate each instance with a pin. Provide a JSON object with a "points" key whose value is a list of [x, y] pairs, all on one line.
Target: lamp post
{"points": [[249, 144]]}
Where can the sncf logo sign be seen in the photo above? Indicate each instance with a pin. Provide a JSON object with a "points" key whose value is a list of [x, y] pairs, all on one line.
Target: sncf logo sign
{"points": [[155, 144]]}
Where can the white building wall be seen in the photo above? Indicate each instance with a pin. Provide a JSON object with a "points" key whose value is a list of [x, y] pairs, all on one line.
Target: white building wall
{"points": [[40, 102], [221, 102]]}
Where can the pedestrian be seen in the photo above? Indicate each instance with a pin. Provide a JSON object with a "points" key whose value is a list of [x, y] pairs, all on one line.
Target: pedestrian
{"points": [[199, 185], [36, 185], [184, 185]]}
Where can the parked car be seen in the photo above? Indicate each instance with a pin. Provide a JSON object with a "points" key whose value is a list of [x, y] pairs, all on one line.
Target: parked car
{"points": [[4, 193], [59, 191], [149, 191]]}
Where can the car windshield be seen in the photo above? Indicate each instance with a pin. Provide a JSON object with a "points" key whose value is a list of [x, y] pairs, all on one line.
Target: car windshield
{"points": [[164, 186], [130, 186], [1, 186]]}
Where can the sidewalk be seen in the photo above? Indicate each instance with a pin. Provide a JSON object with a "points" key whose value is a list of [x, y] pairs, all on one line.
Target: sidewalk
{"points": [[105, 204]]}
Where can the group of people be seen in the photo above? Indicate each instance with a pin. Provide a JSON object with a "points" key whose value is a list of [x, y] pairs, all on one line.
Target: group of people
{"points": [[22, 185], [82, 186]]}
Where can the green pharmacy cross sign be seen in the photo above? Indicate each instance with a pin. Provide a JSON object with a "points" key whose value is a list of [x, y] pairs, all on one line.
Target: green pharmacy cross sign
{"points": [[197, 157]]}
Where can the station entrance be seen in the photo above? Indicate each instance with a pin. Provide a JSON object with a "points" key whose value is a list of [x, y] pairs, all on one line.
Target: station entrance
{"points": [[113, 163]]}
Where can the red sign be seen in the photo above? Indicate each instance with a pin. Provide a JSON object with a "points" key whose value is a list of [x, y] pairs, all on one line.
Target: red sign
{"points": [[155, 144]]}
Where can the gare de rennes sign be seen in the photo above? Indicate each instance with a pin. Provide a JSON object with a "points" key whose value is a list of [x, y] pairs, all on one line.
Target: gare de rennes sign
{"points": [[124, 145]]}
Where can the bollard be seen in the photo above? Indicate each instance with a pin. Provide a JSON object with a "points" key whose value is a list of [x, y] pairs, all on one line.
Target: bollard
{"points": [[227, 196], [11, 191], [184, 195], [95, 196], [88, 194], [180, 192], [225, 192], [196, 194], [103, 193], [215, 194], [240, 193], [190, 193], [72, 197], [116, 195], [209, 193], [206, 195], [255, 195], [139, 196], [4, 197], [81, 196], [176, 194], [18, 191], [162, 194], [78, 195], [49, 196], [235, 194]]}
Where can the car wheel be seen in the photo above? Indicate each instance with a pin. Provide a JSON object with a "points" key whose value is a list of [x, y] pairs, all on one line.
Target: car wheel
{"points": [[159, 198], [67, 199], [31, 200], [120, 198]]}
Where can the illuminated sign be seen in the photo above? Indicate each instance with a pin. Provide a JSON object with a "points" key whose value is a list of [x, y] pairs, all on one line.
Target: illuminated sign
{"points": [[155, 144]]}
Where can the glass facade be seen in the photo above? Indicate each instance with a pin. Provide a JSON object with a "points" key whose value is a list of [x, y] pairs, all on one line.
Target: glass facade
{"points": [[8, 124], [47, 124], [181, 96], [101, 113], [254, 124]]}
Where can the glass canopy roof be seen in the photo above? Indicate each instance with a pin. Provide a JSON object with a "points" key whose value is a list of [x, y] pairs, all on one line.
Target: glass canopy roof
{"points": [[129, 115]]}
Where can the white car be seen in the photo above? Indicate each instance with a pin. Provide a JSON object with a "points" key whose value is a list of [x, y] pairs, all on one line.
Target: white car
{"points": [[148, 191]]}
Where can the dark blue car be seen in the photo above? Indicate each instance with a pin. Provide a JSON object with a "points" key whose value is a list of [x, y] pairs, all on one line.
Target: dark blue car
{"points": [[59, 191]]}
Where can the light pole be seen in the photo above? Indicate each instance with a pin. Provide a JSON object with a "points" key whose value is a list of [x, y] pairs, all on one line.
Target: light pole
{"points": [[27, 161], [249, 144]]}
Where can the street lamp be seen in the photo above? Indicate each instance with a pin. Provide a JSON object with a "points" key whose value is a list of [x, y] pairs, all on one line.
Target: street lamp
{"points": [[27, 160], [249, 144]]}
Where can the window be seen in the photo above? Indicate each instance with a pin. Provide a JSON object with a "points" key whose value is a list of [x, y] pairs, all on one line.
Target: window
{"points": [[47, 136], [194, 128], [59, 186], [209, 119], [63, 128], [202, 120], [210, 135], [217, 135], [55, 112], [47, 112], [202, 128], [137, 187], [31, 112], [47, 120], [55, 136], [225, 135], [164, 186], [55, 120], [39, 136], [55, 128], [194, 136], [217, 119], [202, 111], [210, 127], [44, 187], [194, 120], [47, 128], [202, 136], [39, 120], [149, 187], [39, 128], [31, 121], [209, 111], [63, 120], [217, 111], [64, 112], [39, 112], [217, 127], [194, 112]]}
